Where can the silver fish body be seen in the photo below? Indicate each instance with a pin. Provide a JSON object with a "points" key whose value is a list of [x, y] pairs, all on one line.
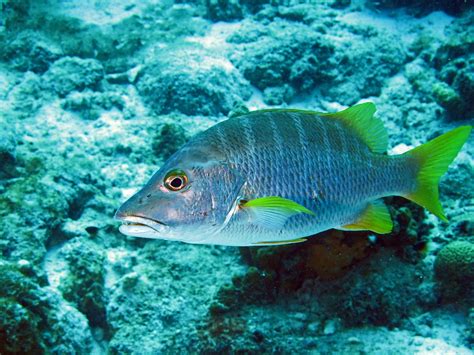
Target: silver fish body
{"points": [[313, 161], [318, 162]]}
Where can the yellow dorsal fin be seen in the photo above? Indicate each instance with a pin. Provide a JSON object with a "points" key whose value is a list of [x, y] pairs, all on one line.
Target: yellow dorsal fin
{"points": [[375, 218], [360, 119], [282, 242]]}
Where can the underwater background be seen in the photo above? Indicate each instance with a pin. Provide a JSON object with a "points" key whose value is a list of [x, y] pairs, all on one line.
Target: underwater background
{"points": [[96, 95]]}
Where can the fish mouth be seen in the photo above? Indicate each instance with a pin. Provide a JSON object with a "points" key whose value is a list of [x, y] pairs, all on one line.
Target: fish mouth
{"points": [[143, 227]]}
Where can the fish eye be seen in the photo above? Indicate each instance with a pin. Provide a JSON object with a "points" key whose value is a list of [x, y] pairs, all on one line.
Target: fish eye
{"points": [[176, 180]]}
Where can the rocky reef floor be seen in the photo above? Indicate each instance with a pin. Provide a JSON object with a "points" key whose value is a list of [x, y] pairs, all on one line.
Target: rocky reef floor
{"points": [[95, 96]]}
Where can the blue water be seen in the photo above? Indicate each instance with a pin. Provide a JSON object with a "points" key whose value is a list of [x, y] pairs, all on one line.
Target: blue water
{"points": [[96, 95]]}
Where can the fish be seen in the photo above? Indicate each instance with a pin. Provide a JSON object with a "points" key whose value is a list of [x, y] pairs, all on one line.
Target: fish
{"points": [[278, 176]]}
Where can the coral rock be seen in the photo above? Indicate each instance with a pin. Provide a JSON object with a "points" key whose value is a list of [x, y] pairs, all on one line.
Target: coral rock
{"points": [[454, 268]]}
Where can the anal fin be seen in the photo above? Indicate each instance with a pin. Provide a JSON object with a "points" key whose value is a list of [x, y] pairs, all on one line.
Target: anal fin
{"points": [[375, 218]]}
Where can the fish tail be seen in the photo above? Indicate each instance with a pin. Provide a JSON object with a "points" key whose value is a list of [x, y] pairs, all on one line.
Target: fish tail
{"points": [[433, 159]]}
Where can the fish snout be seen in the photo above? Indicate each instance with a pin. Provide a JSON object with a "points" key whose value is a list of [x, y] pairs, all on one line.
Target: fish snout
{"points": [[123, 211], [134, 206]]}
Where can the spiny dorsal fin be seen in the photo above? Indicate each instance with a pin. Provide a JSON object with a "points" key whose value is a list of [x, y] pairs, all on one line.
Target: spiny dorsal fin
{"points": [[375, 218], [360, 119]]}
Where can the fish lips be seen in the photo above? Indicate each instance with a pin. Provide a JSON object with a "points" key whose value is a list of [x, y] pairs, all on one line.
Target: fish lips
{"points": [[142, 227]]}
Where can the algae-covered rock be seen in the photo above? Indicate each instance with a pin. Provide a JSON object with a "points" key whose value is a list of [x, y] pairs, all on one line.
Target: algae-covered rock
{"points": [[278, 95], [191, 82], [284, 54], [18, 329], [30, 51], [36, 202], [455, 64], [457, 95], [470, 326], [254, 287], [168, 287], [382, 291], [421, 7], [231, 10], [34, 320], [224, 10], [28, 96], [71, 73], [448, 98], [170, 138], [84, 284], [364, 63], [7, 153], [91, 104], [454, 269]]}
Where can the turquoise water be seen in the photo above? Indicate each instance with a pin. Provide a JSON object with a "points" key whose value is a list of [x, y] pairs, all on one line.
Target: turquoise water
{"points": [[96, 95]]}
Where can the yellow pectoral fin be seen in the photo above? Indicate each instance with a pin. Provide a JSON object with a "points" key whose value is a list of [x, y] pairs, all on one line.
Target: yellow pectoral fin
{"points": [[283, 242], [273, 211], [375, 218]]}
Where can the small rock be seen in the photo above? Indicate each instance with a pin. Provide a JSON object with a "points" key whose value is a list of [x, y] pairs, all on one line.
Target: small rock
{"points": [[313, 327], [353, 340], [130, 280], [331, 326]]}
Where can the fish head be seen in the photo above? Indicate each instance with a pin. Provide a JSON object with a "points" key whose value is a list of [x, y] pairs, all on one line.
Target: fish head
{"points": [[188, 199]]}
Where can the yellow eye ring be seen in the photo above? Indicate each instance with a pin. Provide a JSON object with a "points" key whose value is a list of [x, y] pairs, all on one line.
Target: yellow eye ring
{"points": [[176, 180]]}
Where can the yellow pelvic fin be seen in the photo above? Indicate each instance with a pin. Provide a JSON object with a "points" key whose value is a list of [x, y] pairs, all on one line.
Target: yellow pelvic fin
{"points": [[375, 218], [361, 121], [433, 159], [283, 242]]}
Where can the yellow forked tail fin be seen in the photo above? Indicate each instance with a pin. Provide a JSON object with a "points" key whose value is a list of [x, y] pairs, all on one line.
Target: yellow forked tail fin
{"points": [[434, 158]]}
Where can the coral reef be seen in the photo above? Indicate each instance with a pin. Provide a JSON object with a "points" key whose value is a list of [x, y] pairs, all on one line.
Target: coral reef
{"points": [[95, 97], [306, 57], [169, 140], [420, 7], [34, 319], [7, 154], [454, 268], [90, 105], [177, 82], [29, 51], [84, 285], [455, 62], [302, 57], [73, 74]]}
